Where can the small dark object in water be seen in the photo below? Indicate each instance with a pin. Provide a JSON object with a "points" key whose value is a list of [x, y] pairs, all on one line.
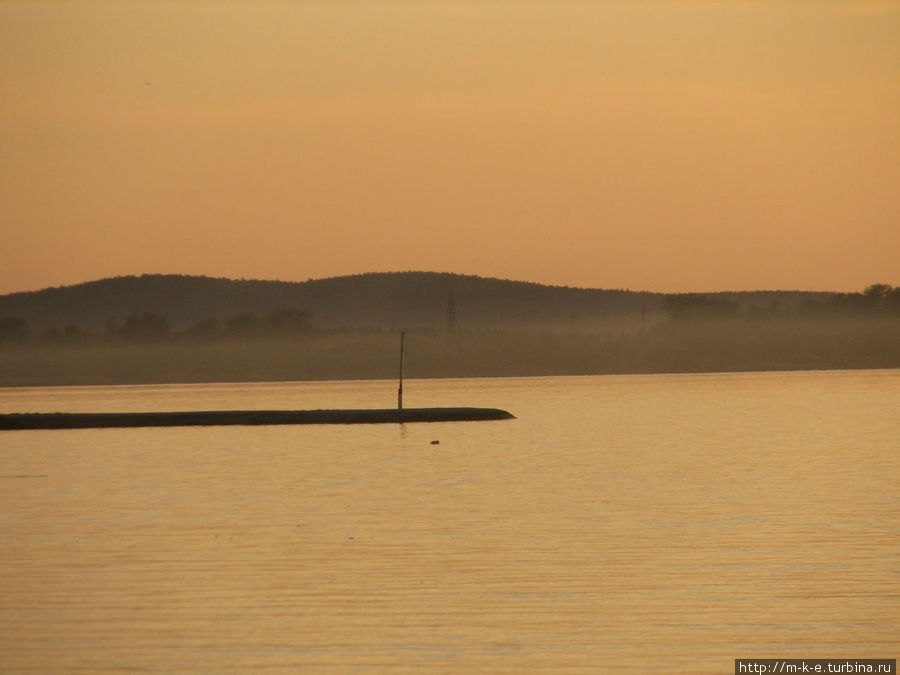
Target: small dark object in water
{"points": [[435, 442], [246, 417]]}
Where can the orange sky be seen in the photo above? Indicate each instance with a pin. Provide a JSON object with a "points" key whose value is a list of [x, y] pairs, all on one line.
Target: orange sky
{"points": [[661, 145]]}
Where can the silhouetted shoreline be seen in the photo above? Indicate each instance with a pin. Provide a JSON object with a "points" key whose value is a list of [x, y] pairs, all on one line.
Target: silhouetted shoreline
{"points": [[168, 329], [685, 347]]}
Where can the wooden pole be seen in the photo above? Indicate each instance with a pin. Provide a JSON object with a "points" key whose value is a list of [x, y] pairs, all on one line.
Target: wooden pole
{"points": [[400, 387]]}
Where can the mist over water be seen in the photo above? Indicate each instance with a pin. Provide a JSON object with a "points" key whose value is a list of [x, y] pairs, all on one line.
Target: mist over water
{"points": [[503, 351], [620, 524]]}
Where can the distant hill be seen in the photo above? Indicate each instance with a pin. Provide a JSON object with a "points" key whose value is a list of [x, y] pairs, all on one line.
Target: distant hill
{"points": [[387, 300], [156, 328]]}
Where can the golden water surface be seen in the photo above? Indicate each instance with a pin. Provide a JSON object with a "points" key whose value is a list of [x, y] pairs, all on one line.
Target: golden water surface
{"points": [[619, 524]]}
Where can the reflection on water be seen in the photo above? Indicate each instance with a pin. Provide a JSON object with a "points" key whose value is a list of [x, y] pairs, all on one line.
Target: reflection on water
{"points": [[619, 524]]}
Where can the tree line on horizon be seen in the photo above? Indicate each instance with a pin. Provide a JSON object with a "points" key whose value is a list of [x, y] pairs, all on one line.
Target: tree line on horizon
{"points": [[153, 327], [875, 301]]}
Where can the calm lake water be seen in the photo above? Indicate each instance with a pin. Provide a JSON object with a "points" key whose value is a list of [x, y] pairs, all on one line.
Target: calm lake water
{"points": [[620, 524]]}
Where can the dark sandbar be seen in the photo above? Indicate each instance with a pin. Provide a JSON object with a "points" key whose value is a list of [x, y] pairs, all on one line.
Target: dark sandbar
{"points": [[245, 417]]}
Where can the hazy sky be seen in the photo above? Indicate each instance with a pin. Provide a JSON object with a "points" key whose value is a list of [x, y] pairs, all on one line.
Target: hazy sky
{"points": [[658, 145]]}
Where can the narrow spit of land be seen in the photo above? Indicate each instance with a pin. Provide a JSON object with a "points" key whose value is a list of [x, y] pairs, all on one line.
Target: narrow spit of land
{"points": [[13, 421]]}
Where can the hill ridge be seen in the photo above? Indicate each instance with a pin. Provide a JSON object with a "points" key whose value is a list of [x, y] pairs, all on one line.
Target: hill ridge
{"points": [[369, 299]]}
